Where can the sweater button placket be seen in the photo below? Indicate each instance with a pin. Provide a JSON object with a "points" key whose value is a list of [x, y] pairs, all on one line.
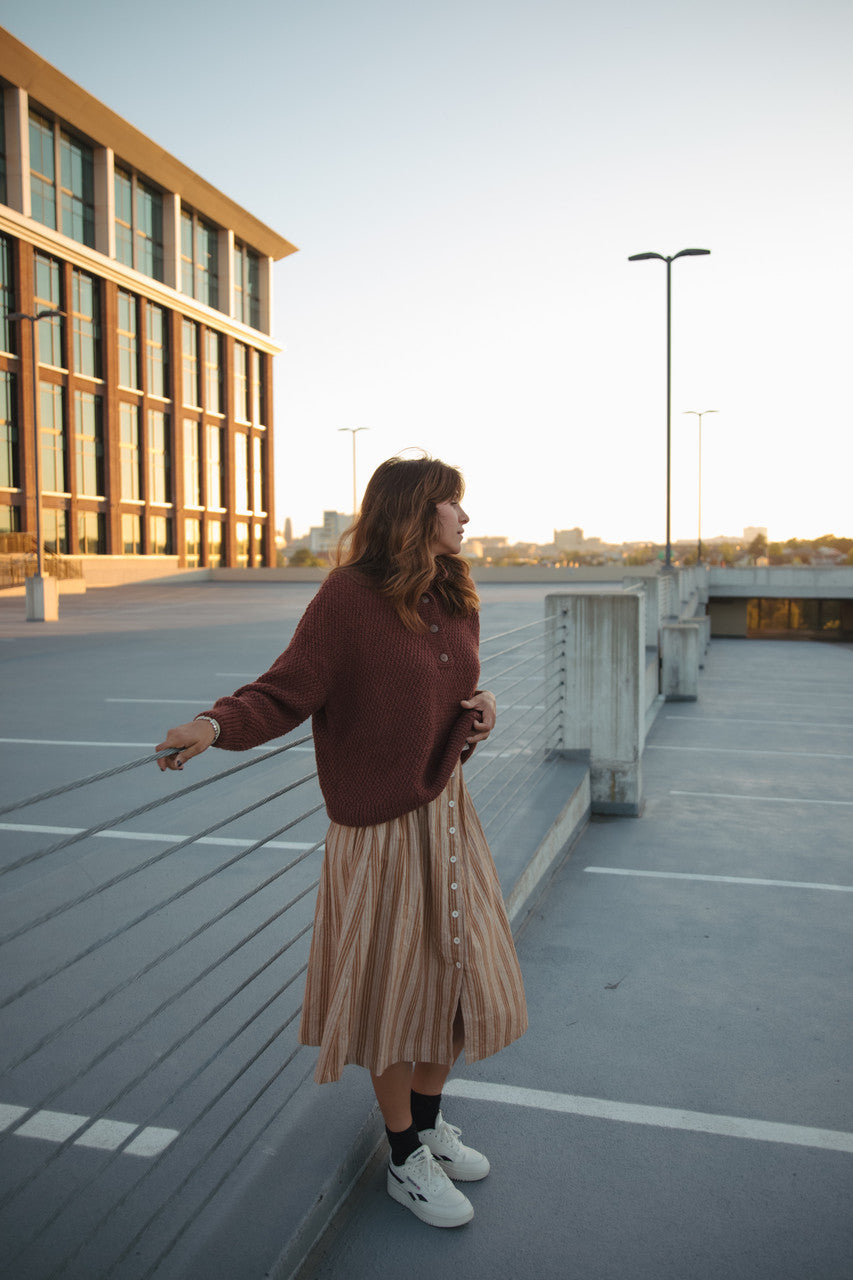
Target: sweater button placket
{"points": [[454, 885]]}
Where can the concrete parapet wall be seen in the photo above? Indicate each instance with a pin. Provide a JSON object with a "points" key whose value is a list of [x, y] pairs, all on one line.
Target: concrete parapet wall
{"points": [[806, 582], [604, 711], [680, 647]]}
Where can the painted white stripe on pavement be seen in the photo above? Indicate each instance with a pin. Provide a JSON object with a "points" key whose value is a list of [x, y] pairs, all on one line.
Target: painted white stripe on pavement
{"points": [[754, 751], [659, 1117], [726, 795], [799, 724], [102, 1135], [131, 746], [689, 875], [229, 842]]}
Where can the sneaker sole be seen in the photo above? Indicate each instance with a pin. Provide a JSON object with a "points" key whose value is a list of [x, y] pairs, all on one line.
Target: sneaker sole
{"points": [[422, 1211]]}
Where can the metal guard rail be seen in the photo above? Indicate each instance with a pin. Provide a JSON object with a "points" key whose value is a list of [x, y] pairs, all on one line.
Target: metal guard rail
{"points": [[151, 1008]]}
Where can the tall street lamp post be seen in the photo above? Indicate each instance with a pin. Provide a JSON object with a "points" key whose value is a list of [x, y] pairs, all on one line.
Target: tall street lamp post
{"points": [[700, 416], [640, 257], [354, 431], [41, 599]]}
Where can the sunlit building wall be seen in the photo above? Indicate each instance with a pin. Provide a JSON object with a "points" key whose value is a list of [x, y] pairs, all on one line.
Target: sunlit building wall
{"points": [[155, 386]]}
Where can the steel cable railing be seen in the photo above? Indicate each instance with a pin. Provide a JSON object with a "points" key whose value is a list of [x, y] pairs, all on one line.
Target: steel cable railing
{"points": [[176, 1004]]}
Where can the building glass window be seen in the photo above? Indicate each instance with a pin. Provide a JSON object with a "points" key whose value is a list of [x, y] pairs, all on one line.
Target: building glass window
{"points": [[42, 171], [241, 383], [128, 353], [212, 371], [138, 224], [192, 463], [257, 545], [160, 536], [214, 543], [3, 197], [189, 362], [192, 539], [247, 286], [258, 452], [129, 453], [124, 217], [214, 467], [156, 350], [86, 327], [258, 388], [131, 535], [7, 295], [51, 416], [89, 444], [77, 189], [9, 460], [54, 531], [48, 297], [242, 532], [149, 231], [199, 259], [91, 533], [159, 457], [10, 519], [241, 471]]}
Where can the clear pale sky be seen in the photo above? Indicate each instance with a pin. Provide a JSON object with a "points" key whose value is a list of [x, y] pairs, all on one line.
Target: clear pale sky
{"points": [[465, 180]]}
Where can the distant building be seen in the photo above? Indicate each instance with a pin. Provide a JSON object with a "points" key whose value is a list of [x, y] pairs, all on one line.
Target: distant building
{"points": [[325, 537], [568, 539], [154, 388]]}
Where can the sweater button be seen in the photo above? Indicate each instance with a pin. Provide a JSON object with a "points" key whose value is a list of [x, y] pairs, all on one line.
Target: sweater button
{"points": [[444, 657], [433, 628]]}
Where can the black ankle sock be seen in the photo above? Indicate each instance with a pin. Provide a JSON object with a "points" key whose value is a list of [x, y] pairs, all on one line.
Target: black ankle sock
{"points": [[425, 1109], [403, 1143]]}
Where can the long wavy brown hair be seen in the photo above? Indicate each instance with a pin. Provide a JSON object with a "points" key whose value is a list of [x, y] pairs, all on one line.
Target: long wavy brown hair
{"points": [[394, 531]]}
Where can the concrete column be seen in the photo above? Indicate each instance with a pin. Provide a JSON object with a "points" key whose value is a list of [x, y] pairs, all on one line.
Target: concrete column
{"points": [[266, 299], [703, 622], [16, 104], [603, 703], [680, 661], [171, 240], [105, 201], [225, 265], [651, 591], [42, 597]]}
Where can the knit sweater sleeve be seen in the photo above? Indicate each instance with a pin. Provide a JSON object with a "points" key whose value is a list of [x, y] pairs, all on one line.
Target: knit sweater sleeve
{"points": [[296, 685]]}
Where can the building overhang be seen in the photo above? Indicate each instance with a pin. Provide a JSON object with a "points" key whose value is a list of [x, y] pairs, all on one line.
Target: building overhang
{"points": [[49, 88]]}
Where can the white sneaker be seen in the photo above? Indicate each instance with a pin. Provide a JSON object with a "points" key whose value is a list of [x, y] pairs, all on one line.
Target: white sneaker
{"points": [[422, 1186], [458, 1161]]}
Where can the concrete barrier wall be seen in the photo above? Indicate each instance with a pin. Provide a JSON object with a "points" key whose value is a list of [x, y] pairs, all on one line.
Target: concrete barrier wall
{"points": [[604, 705]]}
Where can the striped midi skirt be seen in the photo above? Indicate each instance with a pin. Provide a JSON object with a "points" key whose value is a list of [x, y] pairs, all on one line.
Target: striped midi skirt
{"points": [[410, 925]]}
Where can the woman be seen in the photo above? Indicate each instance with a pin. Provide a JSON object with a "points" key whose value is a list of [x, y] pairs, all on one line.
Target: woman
{"points": [[412, 956]]}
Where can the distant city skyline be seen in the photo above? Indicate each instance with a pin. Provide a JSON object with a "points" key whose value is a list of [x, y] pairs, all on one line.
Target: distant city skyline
{"points": [[466, 181]]}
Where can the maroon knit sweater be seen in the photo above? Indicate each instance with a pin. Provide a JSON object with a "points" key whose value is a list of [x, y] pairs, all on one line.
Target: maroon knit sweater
{"points": [[384, 700]]}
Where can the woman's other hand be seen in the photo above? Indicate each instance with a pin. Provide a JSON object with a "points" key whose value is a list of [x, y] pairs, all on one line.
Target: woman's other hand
{"points": [[187, 740], [485, 706]]}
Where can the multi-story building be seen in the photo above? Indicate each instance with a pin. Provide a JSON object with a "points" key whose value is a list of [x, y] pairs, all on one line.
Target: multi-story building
{"points": [[153, 388]]}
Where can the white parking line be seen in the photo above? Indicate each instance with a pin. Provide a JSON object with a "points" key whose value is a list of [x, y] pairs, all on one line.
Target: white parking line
{"points": [[102, 1135], [689, 875], [799, 724], [659, 1117], [123, 746], [754, 751], [159, 836], [726, 795]]}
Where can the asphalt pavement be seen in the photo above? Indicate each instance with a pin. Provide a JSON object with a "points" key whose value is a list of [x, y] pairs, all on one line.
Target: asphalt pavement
{"points": [[681, 1107]]}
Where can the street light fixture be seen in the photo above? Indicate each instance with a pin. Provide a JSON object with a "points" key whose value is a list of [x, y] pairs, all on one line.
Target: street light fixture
{"points": [[700, 416], [641, 257], [37, 611], [354, 432]]}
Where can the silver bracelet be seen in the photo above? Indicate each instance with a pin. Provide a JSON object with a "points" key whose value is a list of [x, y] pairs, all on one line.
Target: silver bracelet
{"points": [[216, 729]]}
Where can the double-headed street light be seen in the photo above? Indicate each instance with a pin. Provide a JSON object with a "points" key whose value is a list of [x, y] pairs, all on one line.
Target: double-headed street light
{"points": [[640, 257], [354, 431], [37, 610], [700, 416]]}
